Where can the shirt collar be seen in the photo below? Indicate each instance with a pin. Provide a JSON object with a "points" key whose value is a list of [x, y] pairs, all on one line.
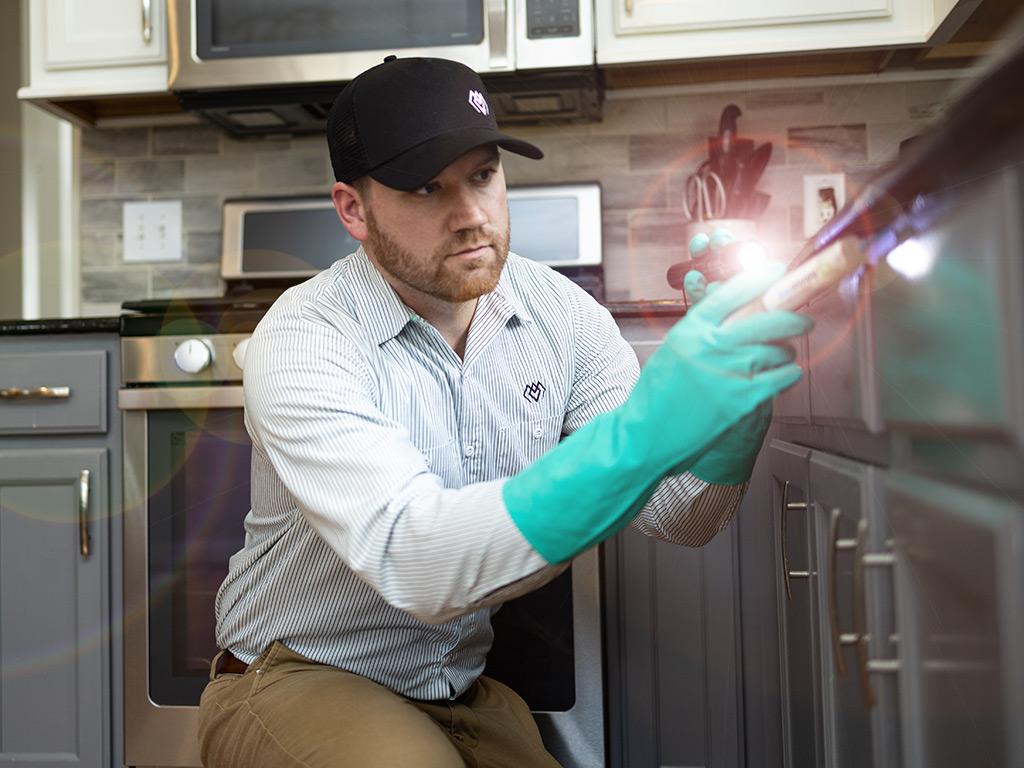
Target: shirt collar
{"points": [[385, 315], [381, 311], [504, 297]]}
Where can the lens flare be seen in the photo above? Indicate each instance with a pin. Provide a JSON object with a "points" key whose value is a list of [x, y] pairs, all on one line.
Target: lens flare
{"points": [[751, 254], [911, 259]]}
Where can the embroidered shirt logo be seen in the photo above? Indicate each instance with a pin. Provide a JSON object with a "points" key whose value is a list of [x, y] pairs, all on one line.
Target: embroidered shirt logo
{"points": [[477, 102], [533, 391]]}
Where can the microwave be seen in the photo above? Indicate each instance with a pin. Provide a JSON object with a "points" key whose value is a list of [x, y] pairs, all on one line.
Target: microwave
{"points": [[231, 44], [294, 238]]}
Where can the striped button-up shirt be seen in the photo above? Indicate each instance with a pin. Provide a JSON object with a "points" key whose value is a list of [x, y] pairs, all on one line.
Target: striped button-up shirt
{"points": [[378, 540]]}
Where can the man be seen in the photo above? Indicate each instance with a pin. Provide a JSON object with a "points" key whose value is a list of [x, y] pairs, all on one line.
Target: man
{"points": [[406, 408]]}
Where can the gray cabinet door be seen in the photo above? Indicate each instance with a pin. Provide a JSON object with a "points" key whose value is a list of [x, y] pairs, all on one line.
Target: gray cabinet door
{"points": [[673, 661], [797, 590], [54, 604], [960, 601], [861, 719]]}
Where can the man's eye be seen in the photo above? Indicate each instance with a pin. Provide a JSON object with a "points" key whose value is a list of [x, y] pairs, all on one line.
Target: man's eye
{"points": [[429, 188], [485, 174]]}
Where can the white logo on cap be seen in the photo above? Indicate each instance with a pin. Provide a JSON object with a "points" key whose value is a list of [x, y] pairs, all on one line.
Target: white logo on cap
{"points": [[477, 102]]}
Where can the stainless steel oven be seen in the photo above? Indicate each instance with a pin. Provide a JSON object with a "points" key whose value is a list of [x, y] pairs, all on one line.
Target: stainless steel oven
{"points": [[186, 480]]}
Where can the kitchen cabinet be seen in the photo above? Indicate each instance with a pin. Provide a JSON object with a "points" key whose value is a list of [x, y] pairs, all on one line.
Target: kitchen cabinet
{"points": [[54, 607], [960, 588], [672, 649], [630, 31], [900, 505], [794, 405], [797, 585], [78, 50], [671, 635], [818, 574], [842, 387], [964, 322], [859, 699], [60, 545]]}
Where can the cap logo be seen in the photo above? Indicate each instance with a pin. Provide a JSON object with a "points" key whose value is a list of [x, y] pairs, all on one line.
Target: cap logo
{"points": [[477, 102]]}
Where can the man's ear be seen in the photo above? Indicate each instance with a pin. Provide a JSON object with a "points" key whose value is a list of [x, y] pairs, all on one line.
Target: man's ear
{"points": [[351, 208]]}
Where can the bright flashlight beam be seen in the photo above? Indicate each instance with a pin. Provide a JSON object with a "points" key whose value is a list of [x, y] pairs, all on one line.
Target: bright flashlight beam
{"points": [[911, 259], [751, 254]]}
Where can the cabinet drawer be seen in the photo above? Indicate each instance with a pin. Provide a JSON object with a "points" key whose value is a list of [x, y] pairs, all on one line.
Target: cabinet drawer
{"points": [[78, 379], [948, 342], [840, 375]]}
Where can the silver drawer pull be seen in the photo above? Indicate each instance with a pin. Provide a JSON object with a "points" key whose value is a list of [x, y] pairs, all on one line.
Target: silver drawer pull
{"points": [[35, 393], [147, 21], [83, 513], [788, 506]]}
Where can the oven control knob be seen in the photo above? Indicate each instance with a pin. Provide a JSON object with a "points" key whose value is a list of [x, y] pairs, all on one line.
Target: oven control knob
{"points": [[239, 353], [193, 355]]}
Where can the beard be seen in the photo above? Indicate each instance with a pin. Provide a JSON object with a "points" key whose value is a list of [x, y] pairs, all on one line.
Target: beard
{"points": [[437, 275]]}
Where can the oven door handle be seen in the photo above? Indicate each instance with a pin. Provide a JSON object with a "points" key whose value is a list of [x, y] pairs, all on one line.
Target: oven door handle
{"points": [[179, 398]]}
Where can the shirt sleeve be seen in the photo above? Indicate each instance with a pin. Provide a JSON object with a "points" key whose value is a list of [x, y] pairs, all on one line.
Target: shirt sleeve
{"points": [[683, 508], [364, 487]]}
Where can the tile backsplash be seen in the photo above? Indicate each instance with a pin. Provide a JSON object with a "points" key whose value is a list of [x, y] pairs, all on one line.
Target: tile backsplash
{"points": [[641, 153]]}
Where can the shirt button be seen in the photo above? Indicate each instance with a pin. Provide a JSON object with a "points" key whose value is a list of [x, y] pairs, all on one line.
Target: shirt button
{"points": [[469, 450], [538, 432]]}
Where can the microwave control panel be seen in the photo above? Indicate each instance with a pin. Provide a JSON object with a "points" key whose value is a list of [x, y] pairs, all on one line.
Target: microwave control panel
{"points": [[552, 18]]}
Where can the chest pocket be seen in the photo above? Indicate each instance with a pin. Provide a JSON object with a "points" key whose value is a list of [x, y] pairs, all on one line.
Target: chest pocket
{"points": [[523, 442]]}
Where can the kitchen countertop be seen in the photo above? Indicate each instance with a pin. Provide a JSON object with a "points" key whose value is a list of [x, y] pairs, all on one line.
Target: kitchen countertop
{"points": [[659, 308], [60, 325]]}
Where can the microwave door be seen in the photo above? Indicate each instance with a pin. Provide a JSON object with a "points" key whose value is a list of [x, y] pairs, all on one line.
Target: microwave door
{"points": [[238, 43]]}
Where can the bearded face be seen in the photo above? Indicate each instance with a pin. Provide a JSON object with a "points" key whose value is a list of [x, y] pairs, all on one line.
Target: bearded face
{"points": [[464, 267]]}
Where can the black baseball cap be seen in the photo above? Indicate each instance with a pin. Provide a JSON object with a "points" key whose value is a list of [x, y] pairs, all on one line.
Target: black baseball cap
{"points": [[402, 122]]}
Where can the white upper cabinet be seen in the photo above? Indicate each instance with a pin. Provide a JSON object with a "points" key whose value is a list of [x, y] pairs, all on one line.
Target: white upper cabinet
{"points": [[98, 47], [664, 30]]}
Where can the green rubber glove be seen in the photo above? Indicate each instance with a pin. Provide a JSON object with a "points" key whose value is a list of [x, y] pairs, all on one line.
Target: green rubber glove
{"points": [[730, 459], [704, 377]]}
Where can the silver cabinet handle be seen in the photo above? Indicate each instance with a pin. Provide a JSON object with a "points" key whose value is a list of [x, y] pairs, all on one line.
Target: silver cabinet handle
{"points": [[839, 639], [35, 393], [866, 665], [497, 31], [860, 624], [147, 21], [787, 506], [83, 512]]}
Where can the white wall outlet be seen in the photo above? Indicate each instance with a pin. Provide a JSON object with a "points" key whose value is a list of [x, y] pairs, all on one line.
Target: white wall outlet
{"points": [[824, 195], [152, 231]]}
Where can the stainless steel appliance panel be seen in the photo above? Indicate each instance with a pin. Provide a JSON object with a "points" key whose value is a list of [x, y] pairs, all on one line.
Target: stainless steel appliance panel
{"points": [[231, 44], [166, 619]]}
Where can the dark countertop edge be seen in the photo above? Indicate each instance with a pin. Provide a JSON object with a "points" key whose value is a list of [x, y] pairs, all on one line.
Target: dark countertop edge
{"points": [[60, 325], [659, 308], [618, 309]]}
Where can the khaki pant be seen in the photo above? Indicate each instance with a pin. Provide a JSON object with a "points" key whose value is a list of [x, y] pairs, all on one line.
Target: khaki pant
{"points": [[287, 711]]}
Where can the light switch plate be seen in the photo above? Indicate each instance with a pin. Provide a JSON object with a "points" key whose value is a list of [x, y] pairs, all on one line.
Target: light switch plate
{"points": [[152, 231], [824, 195]]}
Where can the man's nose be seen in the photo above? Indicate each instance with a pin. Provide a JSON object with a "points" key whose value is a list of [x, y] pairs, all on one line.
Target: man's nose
{"points": [[467, 212]]}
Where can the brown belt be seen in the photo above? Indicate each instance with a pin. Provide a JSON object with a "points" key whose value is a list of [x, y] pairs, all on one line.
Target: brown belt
{"points": [[231, 665]]}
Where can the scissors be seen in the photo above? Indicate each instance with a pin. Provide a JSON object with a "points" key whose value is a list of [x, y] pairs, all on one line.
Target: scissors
{"points": [[704, 196]]}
